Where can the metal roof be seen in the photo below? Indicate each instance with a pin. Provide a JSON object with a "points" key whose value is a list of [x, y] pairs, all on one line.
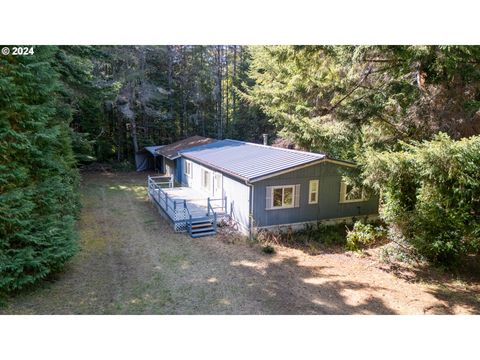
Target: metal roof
{"points": [[247, 160], [170, 151], [153, 149]]}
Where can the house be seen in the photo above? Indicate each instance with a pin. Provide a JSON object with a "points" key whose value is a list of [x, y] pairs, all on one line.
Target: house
{"points": [[170, 157], [268, 187], [262, 187], [147, 159]]}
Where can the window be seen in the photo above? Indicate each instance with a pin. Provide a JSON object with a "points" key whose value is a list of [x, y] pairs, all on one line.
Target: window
{"points": [[282, 197], [206, 179], [217, 184], [313, 192], [188, 168], [350, 193]]}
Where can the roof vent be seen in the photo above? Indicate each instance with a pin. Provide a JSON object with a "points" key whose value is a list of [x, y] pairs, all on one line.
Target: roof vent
{"points": [[265, 139]]}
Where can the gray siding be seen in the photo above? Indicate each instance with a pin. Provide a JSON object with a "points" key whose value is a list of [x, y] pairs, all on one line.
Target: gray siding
{"points": [[328, 206], [238, 202], [235, 191]]}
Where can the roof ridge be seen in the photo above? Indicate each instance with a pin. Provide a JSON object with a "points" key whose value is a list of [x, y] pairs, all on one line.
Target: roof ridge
{"points": [[277, 148]]}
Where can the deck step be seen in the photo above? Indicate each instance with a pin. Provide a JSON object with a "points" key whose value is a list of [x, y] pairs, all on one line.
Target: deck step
{"points": [[202, 225], [207, 227], [203, 230], [202, 219], [196, 235]]}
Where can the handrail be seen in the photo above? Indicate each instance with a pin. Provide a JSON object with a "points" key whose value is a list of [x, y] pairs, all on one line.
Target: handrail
{"points": [[160, 177], [168, 180], [189, 223], [209, 207]]}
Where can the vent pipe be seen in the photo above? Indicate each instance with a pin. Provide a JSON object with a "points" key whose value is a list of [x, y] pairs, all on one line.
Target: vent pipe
{"points": [[265, 139]]}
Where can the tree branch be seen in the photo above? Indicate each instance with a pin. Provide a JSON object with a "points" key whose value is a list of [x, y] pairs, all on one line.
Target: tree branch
{"points": [[367, 72]]}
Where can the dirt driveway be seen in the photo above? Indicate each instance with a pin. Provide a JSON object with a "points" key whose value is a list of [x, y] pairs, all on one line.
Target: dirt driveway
{"points": [[133, 263]]}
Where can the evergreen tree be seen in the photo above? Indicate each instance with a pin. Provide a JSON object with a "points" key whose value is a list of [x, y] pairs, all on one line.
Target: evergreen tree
{"points": [[38, 182], [341, 99]]}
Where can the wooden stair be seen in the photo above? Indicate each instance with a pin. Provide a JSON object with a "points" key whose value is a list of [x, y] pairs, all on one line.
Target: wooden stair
{"points": [[203, 226]]}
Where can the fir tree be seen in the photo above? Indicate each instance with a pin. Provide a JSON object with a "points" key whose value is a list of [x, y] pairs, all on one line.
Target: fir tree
{"points": [[38, 181]]}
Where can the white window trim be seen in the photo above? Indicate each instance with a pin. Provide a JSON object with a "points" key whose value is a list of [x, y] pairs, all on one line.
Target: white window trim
{"points": [[310, 192], [188, 165], [273, 188], [209, 187], [217, 183], [343, 195]]}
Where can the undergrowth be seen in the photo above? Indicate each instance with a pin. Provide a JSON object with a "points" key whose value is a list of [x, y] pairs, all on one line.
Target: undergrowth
{"points": [[313, 238]]}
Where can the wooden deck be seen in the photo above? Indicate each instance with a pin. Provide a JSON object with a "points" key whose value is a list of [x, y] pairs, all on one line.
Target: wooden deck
{"points": [[184, 205], [197, 201]]}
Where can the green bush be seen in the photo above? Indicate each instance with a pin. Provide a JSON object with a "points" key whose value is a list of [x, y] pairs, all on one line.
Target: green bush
{"points": [[364, 235], [431, 192], [268, 249], [325, 234]]}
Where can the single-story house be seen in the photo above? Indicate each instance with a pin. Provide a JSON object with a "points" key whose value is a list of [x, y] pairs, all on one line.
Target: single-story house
{"points": [[147, 159], [265, 187], [170, 156]]}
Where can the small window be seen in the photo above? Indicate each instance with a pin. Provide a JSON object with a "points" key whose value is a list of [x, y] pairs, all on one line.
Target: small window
{"points": [[283, 197], [313, 192], [350, 193], [206, 179], [188, 168]]}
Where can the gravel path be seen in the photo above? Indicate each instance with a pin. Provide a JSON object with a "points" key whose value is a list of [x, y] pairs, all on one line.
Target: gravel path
{"points": [[133, 263]]}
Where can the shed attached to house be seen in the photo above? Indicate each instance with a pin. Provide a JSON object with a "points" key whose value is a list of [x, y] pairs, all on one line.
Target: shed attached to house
{"points": [[171, 157], [148, 159], [269, 187]]}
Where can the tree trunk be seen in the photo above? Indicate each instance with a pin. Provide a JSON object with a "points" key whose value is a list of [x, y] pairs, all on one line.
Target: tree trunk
{"points": [[234, 84], [226, 92], [133, 123], [170, 80], [219, 92]]}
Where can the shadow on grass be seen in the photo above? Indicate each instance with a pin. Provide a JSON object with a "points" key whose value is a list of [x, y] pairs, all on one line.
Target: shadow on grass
{"points": [[453, 287], [286, 287]]}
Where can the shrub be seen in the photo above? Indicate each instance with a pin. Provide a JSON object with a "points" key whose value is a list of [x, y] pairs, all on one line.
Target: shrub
{"points": [[325, 234], [313, 238], [363, 235], [431, 192], [268, 249]]}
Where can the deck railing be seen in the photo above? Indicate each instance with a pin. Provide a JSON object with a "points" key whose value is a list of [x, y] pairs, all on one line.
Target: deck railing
{"points": [[177, 210], [218, 204], [211, 212], [188, 223]]}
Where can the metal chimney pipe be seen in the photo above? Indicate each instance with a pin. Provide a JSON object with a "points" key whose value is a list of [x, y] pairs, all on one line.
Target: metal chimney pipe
{"points": [[265, 139]]}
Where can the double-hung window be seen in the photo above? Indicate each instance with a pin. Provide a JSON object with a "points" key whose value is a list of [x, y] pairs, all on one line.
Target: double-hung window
{"points": [[188, 168], [313, 192], [207, 180]]}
